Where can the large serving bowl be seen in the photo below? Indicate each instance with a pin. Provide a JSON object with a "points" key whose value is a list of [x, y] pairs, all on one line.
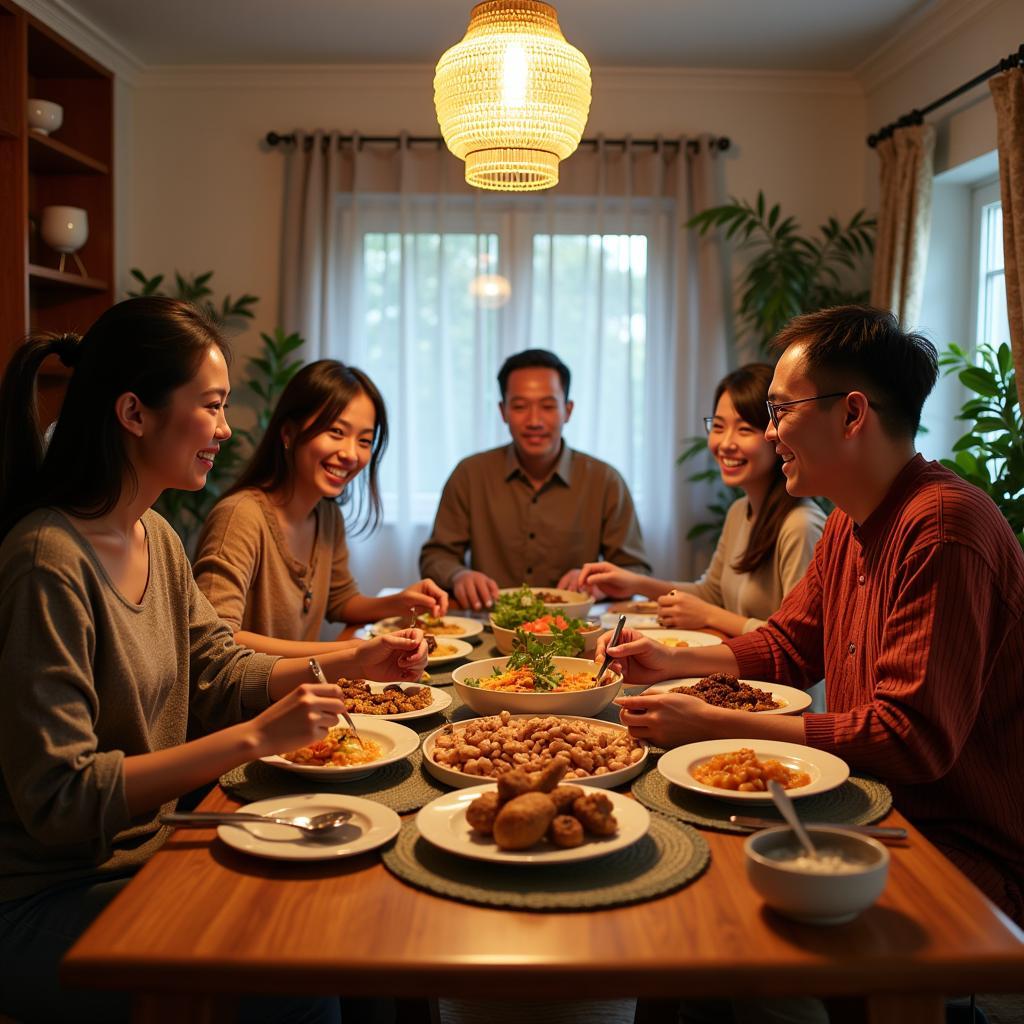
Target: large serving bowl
{"points": [[585, 703], [504, 638], [571, 603], [812, 896]]}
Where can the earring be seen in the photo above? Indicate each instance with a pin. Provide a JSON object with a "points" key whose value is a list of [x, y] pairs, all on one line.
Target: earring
{"points": [[286, 446]]}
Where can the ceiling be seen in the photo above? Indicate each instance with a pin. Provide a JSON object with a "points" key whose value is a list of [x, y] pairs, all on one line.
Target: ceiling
{"points": [[799, 35]]}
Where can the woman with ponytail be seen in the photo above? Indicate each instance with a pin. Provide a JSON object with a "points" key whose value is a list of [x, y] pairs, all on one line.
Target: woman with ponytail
{"points": [[768, 537], [110, 657]]}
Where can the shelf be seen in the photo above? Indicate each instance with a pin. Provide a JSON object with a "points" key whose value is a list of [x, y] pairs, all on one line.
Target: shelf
{"points": [[8, 133], [54, 157], [47, 277]]}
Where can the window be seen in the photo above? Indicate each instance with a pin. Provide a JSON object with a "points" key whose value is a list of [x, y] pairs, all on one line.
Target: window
{"points": [[992, 323]]}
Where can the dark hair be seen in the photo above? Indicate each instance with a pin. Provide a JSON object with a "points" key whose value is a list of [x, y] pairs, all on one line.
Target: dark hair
{"points": [[531, 357], [322, 390], [863, 348], [748, 389], [149, 346]]}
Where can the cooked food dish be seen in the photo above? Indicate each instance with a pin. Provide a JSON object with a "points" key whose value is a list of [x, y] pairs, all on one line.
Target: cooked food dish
{"points": [[491, 747], [442, 650], [543, 624], [437, 626], [339, 748], [524, 680], [726, 691], [527, 806], [549, 597], [673, 642], [393, 700], [741, 770]]}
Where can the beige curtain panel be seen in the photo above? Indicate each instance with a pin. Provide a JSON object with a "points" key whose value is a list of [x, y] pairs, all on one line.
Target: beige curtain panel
{"points": [[904, 221], [1008, 96]]}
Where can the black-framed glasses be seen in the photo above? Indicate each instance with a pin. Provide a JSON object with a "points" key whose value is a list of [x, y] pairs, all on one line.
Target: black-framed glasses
{"points": [[774, 407]]}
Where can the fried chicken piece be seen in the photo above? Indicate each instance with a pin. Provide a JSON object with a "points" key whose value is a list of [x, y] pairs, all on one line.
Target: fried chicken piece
{"points": [[523, 821], [480, 814], [547, 778], [563, 796], [565, 831], [594, 812], [513, 783]]}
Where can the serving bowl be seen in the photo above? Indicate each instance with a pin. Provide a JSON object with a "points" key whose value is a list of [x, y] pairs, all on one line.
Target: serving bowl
{"points": [[504, 638], [576, 702], [44, 116], [571, 603], [816, 897]]}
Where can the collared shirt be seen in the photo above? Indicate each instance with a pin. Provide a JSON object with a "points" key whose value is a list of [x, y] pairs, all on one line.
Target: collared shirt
{"points": [[916, 620], [516, 534]]}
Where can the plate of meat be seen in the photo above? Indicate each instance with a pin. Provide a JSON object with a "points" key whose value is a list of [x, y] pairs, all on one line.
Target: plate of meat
{"points": [[726, 691]]}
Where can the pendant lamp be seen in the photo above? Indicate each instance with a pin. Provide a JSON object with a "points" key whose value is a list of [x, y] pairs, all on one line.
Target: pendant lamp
{"points": [[513, 96]]}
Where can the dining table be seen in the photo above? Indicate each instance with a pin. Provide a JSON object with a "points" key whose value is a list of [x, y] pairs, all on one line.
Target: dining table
{"points": [[202, 924]]}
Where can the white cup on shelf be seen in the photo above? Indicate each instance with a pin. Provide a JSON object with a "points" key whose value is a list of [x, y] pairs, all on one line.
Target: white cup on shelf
{"points": [[65, 229], [45, 116]]}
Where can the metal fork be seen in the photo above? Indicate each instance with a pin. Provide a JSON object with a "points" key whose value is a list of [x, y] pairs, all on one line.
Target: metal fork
{"points": [[318, 673]]}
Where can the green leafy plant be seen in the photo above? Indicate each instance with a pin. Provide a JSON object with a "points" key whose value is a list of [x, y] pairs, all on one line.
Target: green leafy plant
{"points": [[790, 273], [267, 375], [991, 454]]}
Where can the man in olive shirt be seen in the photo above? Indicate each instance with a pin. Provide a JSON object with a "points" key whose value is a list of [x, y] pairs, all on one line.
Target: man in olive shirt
{"points": [[535, 510]]}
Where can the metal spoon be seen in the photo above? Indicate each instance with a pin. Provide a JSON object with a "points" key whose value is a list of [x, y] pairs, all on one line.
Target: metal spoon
{"points": [[318, 672], [788, 811], [611, 643], [318, 824]]}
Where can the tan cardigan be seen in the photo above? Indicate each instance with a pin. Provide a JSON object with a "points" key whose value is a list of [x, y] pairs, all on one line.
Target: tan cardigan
{"points": [[88, 678], [758, 594]]}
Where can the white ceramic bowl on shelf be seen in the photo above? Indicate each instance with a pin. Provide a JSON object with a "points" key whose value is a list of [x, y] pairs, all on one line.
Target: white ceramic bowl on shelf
{"points": [[789, 887], [574, 702], [45, 116], [64, 228]]}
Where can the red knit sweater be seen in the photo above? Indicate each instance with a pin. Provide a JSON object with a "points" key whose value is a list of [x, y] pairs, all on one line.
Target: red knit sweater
{"points": [[916, 621]]}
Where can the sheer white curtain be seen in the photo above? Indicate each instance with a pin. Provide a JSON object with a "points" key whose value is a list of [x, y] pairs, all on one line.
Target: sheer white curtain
{"points": [[428, 286]]}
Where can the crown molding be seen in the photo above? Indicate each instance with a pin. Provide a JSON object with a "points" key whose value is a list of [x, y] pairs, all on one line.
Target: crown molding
{"points": [[921, 32], [402, 77], [87, 36]]}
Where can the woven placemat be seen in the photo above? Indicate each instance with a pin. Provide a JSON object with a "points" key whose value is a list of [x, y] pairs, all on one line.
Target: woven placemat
{"points": [[403, 786], [858, 801], [667, 858]]}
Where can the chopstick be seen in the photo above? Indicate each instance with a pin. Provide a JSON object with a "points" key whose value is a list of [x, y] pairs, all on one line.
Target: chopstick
{"points": [[611, 643]]}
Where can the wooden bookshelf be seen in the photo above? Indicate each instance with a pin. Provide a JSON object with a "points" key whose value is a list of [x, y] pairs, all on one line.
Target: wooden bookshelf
{"points": [[71, 167]]}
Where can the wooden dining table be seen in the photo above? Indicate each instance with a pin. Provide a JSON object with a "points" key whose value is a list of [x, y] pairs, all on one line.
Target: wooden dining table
{"points": [[202, 923]]}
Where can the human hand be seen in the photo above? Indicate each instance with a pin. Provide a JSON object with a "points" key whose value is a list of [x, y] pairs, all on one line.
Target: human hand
{"points": [[610, 580], [394, 657], [669, 719], [425, 594], [299, 718], [677, 610], [474, 589], [637, 658]]}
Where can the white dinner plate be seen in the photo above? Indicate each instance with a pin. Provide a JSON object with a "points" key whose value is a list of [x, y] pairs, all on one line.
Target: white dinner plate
{"points": [[462, 650], [396, 741], [443, 823], [467, 627], [371, 825], [633, 621], [826, 770], [461, 780], [441, 700], [683, 637], [791, 699]]}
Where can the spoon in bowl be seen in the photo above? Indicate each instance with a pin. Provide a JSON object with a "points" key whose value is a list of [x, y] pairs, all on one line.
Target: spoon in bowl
{"points": [[317, 825], [788, 811]]}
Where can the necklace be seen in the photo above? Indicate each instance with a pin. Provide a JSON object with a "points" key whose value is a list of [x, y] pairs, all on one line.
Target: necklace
{"points": [[307, 599]]}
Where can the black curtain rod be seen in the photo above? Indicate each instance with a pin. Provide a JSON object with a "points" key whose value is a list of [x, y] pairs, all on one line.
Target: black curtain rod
{"points": [[722, 142], [917, 116]]}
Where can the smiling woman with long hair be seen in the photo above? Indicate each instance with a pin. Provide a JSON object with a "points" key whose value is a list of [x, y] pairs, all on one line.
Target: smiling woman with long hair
{"points": [[768, 536], [110, 657], [273, 556]]}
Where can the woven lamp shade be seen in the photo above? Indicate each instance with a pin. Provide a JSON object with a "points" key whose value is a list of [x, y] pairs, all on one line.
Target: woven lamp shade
{"points": [[513, 96]]}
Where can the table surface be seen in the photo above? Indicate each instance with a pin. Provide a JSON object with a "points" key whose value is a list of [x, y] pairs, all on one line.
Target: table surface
{"points": [[207, 919]]}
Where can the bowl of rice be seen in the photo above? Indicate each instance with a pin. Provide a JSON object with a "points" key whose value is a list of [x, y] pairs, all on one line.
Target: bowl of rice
{"points": [[488, 687]]}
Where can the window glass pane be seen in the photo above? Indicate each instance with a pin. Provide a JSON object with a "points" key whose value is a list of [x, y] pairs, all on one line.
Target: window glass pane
{"points": [[993, 322]]}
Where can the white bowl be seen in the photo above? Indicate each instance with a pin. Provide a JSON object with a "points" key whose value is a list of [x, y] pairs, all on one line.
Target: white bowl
{"points": [[571, 603], [813, 897], [64, 228], [577, 702], [504, 638], [45, 116], [460, 779]]}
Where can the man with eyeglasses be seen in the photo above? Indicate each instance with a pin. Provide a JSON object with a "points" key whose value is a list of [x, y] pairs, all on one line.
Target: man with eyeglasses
{"points": [[912, 607]]}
